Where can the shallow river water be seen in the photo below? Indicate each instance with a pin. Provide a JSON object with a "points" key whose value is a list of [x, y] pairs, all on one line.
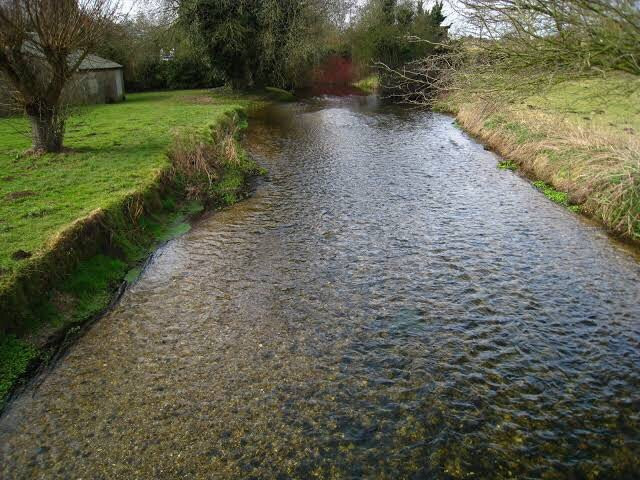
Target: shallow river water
{"points": [[388, 304]]}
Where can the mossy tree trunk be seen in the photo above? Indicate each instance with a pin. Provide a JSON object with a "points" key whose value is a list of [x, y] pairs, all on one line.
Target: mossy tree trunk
{"points": [[47, 127]]}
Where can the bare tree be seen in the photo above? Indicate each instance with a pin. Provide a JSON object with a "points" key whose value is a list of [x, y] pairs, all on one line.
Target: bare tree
{"points": [[421, 81], [42, 44], [578, 34], [523, 45]]}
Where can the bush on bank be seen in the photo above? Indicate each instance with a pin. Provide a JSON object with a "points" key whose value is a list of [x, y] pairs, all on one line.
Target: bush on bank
{"points": [[95, 212]]}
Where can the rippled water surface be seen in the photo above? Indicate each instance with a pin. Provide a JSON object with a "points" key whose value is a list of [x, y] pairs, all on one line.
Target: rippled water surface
{"points": [[388, 304]]}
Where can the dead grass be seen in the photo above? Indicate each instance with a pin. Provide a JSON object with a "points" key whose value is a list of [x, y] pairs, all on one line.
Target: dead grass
{"points": [[194, 158], [199, 158], [597, 165], [18, 195]]}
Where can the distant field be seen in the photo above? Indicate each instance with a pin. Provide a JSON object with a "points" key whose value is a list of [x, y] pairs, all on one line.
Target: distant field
{"points": [[611, 102], [114, 150]]}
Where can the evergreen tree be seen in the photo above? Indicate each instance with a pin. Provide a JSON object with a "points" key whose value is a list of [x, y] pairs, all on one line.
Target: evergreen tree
{"points": [[255, 42]]}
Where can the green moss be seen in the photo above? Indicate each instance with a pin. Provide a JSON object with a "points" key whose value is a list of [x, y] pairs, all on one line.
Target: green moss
{"points": [[561, 198], [133, 275], [165, 225], [15, 357], [192, 207], [507, 165]]}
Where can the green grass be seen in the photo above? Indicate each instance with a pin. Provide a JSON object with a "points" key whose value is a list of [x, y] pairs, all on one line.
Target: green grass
{"points": [[115, 150], [89, 288], [15, 357], [90, 285], [561, 198], [279, 95], [611, 102], [368, 84], [520, 132], [507, 165], [116, 155], [172, 221]]}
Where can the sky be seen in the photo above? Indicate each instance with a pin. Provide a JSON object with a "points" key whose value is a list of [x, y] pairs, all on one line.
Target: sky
{"points": [[133, 6], [127, 6]]}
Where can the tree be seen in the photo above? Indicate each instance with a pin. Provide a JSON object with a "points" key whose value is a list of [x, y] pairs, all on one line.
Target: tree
{"points": [[569, 35], [42, 44], [256, 42], [156, 54], [392, 36], [387, 32]]}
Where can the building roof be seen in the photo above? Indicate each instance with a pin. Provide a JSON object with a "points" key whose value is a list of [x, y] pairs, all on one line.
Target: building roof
{"points": [[94, 62], [90, 62]]}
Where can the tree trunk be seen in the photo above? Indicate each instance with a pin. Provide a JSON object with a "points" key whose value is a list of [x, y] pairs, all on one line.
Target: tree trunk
{"points": [[47, 129], [241, 78]]}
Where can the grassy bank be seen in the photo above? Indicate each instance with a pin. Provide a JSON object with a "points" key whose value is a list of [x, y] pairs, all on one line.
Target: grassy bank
{"points": [[73, 225], [368, 84], [579, 139]]}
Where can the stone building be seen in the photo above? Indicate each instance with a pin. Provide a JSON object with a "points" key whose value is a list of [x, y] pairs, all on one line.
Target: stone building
{"points": [[97, 80]]}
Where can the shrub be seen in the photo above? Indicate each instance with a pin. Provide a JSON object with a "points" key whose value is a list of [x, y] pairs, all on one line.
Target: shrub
{"points": [[200, 160]]}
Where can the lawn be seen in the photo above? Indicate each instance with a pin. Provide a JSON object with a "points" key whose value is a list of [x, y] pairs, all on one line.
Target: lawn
{"points": [[368, 84], [113, 151], [611, 102]]}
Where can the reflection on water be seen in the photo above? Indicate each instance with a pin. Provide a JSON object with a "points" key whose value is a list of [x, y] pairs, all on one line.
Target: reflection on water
{"points": [[388, 304]]}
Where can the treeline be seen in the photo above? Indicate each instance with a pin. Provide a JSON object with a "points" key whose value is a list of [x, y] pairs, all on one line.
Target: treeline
{"points": [[392, 33], [156, 55], [206, 43], [257, 43]]}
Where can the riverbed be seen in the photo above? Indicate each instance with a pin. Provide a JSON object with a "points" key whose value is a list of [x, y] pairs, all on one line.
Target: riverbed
{"points": [[387, 304]]}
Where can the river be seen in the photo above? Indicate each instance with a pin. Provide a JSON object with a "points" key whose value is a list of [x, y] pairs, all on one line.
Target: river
{"points": [[387, 304]]}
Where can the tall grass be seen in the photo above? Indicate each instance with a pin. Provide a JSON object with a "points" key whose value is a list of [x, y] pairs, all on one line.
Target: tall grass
{"points": [[598, 167], [201, 159]]}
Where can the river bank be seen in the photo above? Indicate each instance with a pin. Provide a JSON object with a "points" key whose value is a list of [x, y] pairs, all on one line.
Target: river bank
{"points": [[578, 140], [77, 226], [468, 329]]}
